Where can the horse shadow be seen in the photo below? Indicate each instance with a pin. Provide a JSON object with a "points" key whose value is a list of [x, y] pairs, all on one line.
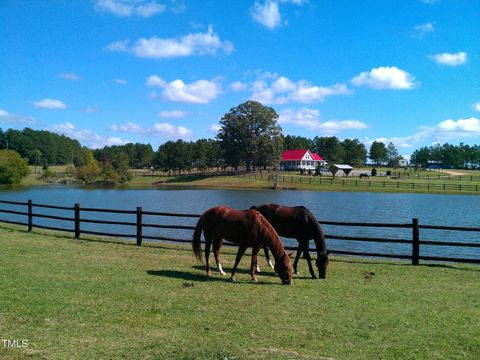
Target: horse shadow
{"points": [[194, 276]]}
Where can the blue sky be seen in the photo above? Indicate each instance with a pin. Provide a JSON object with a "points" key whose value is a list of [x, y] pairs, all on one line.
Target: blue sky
{"points": [[114, 71]]}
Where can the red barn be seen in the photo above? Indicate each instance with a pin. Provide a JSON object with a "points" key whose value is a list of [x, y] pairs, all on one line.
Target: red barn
{"points": [[301, 159]]}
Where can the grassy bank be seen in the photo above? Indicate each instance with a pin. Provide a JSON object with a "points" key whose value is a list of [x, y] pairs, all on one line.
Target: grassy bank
{"points": [[379, 184], [84, 299]]}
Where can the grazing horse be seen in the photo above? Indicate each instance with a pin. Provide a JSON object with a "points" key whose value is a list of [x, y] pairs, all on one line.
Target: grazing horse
{"points": [[298, 222], [247, 228]]}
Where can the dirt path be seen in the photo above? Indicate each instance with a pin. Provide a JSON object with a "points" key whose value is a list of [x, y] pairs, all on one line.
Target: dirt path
{"points": [[451, 172]]}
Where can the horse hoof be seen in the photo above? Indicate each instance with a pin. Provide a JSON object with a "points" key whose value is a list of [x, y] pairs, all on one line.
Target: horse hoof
{"points": [[297, 273], [223, 273], [232, 280], [314, 277]]}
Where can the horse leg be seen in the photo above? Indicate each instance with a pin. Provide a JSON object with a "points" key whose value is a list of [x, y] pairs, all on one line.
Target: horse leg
{"points": [[306, 255], [254, 263], [216, 253], [240, 253], [267, 256], [208, 242], [297, 257]]}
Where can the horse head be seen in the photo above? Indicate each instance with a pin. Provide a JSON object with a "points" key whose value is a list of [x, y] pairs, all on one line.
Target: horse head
{"points": [[282, 268], [322, 263]]}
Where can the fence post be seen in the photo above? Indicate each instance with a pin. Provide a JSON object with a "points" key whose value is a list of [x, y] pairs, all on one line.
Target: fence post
{"points": [[30, 215], [77, 220], [139, 225], [415, 242]]}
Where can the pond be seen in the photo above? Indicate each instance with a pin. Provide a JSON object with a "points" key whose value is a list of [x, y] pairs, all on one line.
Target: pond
{"points": [[447, 210]]}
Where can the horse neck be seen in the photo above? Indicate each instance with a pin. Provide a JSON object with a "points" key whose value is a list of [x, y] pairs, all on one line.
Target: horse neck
{"points": [[319, 237], [276, 247]]}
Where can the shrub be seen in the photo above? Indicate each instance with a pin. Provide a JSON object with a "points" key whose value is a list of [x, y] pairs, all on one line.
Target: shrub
{"points": [[374, 172], [12, 167]]}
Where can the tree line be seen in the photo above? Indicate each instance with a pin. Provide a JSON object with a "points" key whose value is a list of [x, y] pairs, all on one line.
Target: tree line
{"points": [[249, 136], [447, 156]]}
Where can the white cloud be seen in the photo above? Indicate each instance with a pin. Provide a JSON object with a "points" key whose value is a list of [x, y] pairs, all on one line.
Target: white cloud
{"points": [[385, 77], [192, 44], [267, 14], [7, 118], [310, 118], [238, 86], [69, 76], [51, 104], [449, 59], [155, 80], [422, 30], [164, 130], [283, 90], [127, 8], [129, 127], [470, 126], [476, 106], [121, 81], [173, 114], [90, 110], [214, 128], [445, 131], [86, 137], [197, 92]]}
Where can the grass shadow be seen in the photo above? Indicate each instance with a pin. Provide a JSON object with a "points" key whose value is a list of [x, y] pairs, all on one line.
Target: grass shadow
{"points": [[192, 277]]}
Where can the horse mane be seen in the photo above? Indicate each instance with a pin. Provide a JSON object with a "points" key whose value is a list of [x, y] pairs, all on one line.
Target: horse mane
{"points": [[319, 237], [272, 240]]}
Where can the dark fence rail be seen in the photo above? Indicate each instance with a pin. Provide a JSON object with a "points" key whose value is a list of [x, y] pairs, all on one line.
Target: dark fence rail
{"points": [[376, 183], [137, 225]]}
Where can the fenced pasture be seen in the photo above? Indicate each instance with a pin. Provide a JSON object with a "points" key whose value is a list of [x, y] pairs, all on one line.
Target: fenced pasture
{"points": [[392, 183], [348, 238], [82, 299]]}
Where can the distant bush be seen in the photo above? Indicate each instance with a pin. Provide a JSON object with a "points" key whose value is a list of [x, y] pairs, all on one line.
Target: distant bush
{"points": [[388, 173], [12, 167], [374, 172], [48, 174]]}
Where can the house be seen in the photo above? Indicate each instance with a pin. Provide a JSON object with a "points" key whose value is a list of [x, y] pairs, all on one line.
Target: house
{"points": [[301, 159]]}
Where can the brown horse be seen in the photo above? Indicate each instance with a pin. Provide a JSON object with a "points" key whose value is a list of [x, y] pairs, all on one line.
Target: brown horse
{"points": [[247, 228], [298, 222]]}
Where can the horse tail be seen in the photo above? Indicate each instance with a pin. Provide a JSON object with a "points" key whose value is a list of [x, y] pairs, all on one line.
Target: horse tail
{"points": [[196, 241]]}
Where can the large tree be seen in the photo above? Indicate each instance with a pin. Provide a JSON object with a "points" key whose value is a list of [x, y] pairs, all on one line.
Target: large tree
{"points": [[330, 148], [393, 155], [355, 152], [293, 142], [378, 152], [250, 134]]}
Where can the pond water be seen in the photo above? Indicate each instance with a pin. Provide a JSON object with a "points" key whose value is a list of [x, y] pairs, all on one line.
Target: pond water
{"points": [[447, 210]]}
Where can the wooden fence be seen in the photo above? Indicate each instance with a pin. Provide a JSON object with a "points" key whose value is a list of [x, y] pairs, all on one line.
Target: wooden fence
{"points": [[32, 211], [349, 181]]}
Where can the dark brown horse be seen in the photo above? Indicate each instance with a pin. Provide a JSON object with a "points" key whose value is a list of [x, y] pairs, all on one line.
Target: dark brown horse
{"points": [[298, 222], [247, 228]]}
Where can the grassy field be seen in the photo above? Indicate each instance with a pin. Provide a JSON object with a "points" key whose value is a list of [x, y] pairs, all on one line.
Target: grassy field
{"points": [[288, 184], [95, 299]]}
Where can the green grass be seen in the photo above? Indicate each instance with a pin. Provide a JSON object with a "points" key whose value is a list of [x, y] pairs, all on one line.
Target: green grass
{"points": [[86, 299]]}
